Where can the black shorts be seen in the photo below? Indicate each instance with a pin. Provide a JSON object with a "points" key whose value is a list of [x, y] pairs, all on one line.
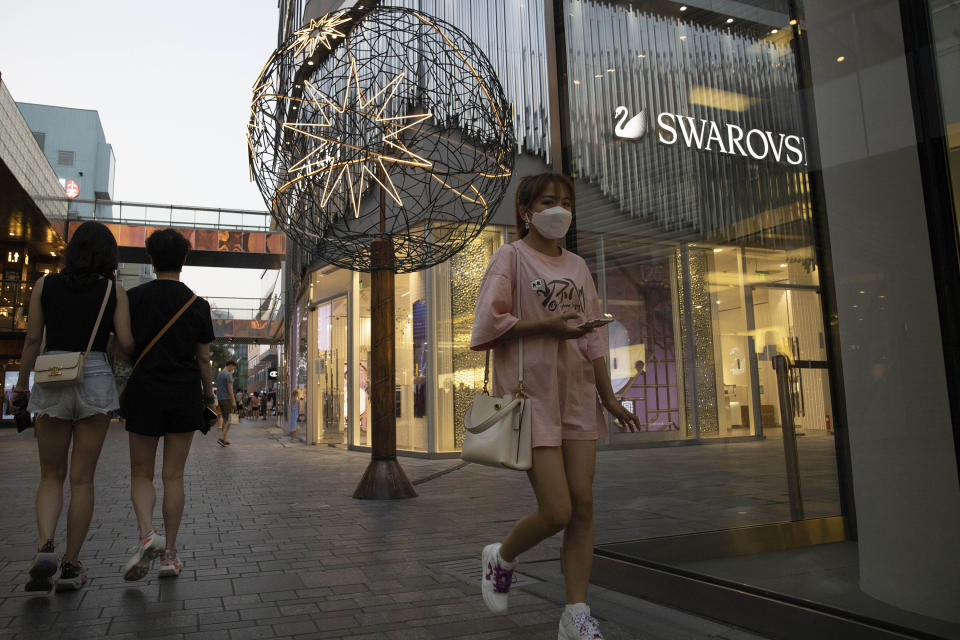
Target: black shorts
{"points": [[161, 411]]}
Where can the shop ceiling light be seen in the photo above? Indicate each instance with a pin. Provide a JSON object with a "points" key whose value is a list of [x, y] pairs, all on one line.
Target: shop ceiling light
{"points": [[718, 250], [719, 99], [793, 22], [729, 20], [774, 30], [683, 8], [599, 75], [841, 58], [611, 70], [783, 266]]}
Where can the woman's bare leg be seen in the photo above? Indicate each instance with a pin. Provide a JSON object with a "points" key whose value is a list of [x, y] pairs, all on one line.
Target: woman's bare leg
{"points": [[176, 448], [579, 460], [53, 444], [553, 504], [88, 436], [143, 456]]}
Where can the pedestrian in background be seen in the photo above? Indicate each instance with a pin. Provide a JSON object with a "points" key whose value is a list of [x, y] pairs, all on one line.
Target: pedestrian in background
{"points": [[255, 405], [169, 395], [238, 399], [564, 372], [225, 400], [63, 311]]}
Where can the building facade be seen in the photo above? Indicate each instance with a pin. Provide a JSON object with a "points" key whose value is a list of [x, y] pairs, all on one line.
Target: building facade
{"points": [[30, 199], [758, 183], [74, 143]]}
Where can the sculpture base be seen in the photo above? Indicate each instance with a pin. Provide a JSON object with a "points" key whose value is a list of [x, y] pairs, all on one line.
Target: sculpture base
{"points": [[384, 480]]}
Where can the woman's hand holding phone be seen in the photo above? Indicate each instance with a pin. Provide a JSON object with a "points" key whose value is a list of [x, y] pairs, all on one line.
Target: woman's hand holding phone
{"points": [[596, 323], [560, 327]]}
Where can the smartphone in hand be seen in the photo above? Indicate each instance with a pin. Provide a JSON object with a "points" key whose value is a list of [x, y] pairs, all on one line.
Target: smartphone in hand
{"points": [[602, 321]]}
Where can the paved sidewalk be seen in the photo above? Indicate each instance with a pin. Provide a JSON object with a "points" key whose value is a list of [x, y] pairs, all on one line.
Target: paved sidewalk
{"points": [[275, 547]]}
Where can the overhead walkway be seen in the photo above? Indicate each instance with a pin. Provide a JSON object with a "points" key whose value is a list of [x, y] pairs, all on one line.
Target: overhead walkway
{"points": [[220, 237], [247, 320]]}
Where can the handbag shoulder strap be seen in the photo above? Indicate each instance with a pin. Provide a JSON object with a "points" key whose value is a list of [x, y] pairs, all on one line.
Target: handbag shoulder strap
{"points": [[159, 335], [517, 306], [103, 306]]}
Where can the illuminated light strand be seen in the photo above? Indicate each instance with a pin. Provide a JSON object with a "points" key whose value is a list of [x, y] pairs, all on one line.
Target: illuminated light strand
{"points": [[328, 153], [320, 31], [393, 126]]}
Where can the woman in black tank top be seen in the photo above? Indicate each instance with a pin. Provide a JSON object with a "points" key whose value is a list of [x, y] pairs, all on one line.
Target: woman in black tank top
{"points": [[67, 304]]}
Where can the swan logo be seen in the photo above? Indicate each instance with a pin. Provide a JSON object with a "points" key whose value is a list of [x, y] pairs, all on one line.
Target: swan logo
{"points": [[632, 129]]}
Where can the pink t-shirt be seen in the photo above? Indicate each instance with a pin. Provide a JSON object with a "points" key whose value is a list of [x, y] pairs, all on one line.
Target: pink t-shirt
{"points": [[557, 374]]}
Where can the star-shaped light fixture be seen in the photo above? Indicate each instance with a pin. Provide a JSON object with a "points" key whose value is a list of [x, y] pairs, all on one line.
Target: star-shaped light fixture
{"points": [[318, 32], [347, 167]]}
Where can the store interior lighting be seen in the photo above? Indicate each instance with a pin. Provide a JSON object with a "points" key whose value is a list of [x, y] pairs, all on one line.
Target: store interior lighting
{"points": [[719, 99]]}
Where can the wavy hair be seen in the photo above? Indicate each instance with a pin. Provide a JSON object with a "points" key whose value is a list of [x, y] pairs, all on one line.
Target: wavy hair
{"points": [[91, 254]]}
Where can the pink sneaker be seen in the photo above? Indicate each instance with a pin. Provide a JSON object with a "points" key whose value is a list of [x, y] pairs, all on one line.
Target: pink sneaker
{"points": [[170, 565], [497, 578]]}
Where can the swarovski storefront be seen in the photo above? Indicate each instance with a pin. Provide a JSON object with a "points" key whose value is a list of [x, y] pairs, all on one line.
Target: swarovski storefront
{"points": [[758, 182]]}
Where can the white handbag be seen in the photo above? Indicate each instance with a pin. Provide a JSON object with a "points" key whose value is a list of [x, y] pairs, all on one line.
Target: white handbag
{"points": [[498, 432], [64, 369]]}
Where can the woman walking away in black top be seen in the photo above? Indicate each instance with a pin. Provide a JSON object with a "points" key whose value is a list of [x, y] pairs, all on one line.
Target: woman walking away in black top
{"points": [[67, 305], [165, 397]]}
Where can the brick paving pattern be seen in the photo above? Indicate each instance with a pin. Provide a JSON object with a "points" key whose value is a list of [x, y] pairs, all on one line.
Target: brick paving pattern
{"points": [[275, 547]]}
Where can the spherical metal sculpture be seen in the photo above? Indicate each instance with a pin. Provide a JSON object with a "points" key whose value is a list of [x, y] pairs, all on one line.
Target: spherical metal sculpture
{"points": [[382, 123]]}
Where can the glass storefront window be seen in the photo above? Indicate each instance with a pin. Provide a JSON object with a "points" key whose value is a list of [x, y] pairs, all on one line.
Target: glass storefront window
{"points": [[412, 351], [299, 366], [332, 369], [361, 424], [460, 370], [945, 18], [750, 201]]}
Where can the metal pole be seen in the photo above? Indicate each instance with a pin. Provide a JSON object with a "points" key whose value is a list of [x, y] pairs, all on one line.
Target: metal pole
{"points": [[384, 477], [782, 367]]}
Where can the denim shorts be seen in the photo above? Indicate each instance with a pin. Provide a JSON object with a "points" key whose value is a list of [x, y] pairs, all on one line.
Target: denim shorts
{"points": [[95, 395]]}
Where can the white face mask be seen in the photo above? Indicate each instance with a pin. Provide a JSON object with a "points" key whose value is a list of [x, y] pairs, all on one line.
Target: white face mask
{"points": [[552, 223]]}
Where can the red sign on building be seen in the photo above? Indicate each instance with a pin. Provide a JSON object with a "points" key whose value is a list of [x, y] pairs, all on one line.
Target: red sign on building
{"points": [[72, 189]]}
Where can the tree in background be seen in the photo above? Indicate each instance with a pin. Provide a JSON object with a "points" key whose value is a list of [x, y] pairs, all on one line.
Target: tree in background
{"points": [[220, 353]]}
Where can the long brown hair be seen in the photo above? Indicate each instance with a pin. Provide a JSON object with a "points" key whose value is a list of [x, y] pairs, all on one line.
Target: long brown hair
{"points": [[532, 187]]}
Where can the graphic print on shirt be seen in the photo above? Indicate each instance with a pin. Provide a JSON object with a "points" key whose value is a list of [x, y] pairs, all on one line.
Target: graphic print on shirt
{"points": [[560, 296]]}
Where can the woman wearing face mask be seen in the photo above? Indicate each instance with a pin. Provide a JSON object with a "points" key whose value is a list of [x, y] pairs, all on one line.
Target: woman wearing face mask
{"points": [[566, 379]]}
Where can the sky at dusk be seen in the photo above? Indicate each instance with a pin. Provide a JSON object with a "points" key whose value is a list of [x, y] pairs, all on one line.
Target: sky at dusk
{"points": [[172, 84]]}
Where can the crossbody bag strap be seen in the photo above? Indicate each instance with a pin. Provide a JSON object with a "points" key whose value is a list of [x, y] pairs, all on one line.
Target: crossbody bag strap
{"points": [[519, 307], [516, 304], [96, 327], [157, 337]]}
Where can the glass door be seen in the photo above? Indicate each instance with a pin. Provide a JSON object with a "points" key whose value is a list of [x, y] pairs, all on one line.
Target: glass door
{"points": [[332, 370]]}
